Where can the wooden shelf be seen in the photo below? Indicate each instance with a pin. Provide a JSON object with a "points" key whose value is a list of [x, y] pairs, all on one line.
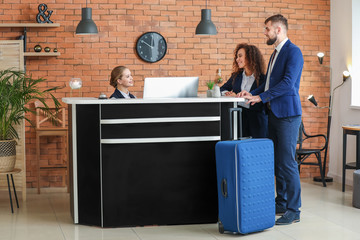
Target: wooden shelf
{"points": [[33, 25], [41, 54], [40, 25]]}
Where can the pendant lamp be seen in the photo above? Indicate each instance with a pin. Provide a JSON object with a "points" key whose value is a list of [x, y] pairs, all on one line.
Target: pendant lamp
{"points": [[206, 26], [86, 26]]}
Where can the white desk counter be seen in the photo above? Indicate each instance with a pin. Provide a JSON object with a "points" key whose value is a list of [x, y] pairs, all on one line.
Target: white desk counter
{"points": [[150, 100]]}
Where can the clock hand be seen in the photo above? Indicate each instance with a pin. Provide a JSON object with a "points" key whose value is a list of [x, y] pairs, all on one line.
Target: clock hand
{"points": [[142, 41]]}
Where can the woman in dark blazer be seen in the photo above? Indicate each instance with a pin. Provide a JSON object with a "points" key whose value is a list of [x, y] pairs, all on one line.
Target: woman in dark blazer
{"points": [[248, 74], [121, 80]]}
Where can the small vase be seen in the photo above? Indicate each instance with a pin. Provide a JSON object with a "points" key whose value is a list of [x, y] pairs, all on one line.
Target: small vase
{"points": [[209, 93], [47, 49], [37, 48], [55, 50], [216, 92]]}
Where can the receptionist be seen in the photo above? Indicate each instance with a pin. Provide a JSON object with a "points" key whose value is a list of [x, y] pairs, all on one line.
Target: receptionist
{"points": [[121, 80]]}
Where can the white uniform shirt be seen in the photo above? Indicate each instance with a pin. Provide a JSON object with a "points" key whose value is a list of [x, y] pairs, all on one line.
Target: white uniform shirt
{"points": [[126, 95], [247, 82]]}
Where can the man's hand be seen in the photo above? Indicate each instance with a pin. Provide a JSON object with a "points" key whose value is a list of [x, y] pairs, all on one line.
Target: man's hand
{"points": [[252, 99], [243, 93]]}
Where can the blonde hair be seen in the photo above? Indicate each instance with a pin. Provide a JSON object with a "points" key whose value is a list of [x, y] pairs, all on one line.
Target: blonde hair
{"points": [[116, 74]]}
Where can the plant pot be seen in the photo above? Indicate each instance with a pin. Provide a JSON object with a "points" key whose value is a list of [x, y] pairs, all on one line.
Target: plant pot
{"points": [[7, 155], [209, 93], [216, 92]]}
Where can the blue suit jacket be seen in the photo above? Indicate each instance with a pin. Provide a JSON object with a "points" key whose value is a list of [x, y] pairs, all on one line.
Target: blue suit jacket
{"points": [[254, 119], [283, 92], [117, 94]]}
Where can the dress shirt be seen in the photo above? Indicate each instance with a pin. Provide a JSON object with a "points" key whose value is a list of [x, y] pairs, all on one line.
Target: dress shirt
{"points": [[247, 82], [126, 95], [271, 65]]}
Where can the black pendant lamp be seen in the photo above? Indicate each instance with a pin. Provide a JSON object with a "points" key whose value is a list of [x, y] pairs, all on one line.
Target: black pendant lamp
{"points": [[206, 26], [86, 26]]}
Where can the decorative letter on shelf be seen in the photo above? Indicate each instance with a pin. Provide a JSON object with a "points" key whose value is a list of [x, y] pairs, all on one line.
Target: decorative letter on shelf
{"points": [[41, 15]]}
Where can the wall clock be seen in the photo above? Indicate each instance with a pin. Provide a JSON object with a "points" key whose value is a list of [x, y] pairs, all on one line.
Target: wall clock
{"points": [[151, 47]]}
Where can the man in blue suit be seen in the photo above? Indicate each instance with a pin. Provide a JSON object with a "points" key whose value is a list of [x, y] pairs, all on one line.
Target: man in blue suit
{"points": [[280, 94]]}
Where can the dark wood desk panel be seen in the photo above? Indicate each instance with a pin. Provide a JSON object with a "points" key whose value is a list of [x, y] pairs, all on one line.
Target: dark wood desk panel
{"points": [[159, 184], [88, 164], [130, 183]]}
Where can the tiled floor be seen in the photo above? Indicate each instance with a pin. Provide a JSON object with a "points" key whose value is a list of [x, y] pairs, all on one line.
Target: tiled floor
{"points": [[327, 213]]}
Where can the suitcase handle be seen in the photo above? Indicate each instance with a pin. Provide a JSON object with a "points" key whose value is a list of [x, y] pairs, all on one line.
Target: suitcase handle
{"points": [[224, 188], [231, 111]]}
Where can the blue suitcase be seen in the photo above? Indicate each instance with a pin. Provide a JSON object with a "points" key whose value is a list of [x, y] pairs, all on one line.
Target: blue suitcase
{"points": [[245, 183]]}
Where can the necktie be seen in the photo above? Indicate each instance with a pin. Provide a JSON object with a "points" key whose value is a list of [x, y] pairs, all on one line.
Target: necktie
{"points": [[273, 57], [269, 70]]}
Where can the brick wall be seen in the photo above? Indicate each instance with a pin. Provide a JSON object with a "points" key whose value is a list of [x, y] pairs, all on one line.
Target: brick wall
{"points": [[121, 22]]}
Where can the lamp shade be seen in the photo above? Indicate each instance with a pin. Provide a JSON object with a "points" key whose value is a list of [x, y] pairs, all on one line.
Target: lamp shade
{"points": [[320, 56], [206, 26], [75, 83], [346, 75], [311, 98], [86, 26]]}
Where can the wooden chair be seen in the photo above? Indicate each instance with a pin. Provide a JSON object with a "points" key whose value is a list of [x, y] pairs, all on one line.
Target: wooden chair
{"points": [[303, 153], [55, 126]]}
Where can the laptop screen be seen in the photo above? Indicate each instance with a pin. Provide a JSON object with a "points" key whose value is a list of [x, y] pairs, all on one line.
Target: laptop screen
{"points": [[171, 87]]}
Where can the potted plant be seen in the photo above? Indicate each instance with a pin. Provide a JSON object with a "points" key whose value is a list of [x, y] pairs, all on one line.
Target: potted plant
{"points": [[210, 85], [17, 90]]}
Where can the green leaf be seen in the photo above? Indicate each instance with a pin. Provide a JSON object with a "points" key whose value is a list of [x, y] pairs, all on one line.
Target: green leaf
{"points": [[17, 90]]}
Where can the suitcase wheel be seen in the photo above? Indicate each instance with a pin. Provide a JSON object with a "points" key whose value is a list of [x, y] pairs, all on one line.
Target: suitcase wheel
{"points": [[221, 227]]}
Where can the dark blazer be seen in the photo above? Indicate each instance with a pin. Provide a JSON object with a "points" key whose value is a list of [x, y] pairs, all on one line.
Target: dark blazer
{"points": [[283, 93], [254, 119], [117, 94]]}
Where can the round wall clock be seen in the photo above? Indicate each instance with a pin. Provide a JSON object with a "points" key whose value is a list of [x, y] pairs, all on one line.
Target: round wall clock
{"points": [[151, 47]]}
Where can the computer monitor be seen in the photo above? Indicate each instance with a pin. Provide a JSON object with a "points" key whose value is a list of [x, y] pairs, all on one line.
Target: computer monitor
{"points": [[171, 87]]}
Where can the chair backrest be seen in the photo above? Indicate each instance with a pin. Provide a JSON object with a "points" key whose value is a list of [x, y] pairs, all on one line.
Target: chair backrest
{"points": [[43, 120], [301, 135]]}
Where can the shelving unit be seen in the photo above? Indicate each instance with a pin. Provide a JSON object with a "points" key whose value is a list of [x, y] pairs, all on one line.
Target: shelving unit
{"points": [[33, 25]]}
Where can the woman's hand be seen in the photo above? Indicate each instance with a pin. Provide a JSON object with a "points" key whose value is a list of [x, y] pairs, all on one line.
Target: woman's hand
{"points": [[230, 93]]}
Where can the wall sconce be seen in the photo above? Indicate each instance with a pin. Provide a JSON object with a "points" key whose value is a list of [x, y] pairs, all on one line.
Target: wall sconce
{"points": [[206, 26], [320, 56], [86, 26]]}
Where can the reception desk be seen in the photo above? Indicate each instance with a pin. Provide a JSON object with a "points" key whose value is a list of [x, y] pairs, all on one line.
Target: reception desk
{"points": [[137, 162]]}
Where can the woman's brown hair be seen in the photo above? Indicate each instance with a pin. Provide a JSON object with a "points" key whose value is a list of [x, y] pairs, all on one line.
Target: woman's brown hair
{"points": [[254, 60], [116, 74]]}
